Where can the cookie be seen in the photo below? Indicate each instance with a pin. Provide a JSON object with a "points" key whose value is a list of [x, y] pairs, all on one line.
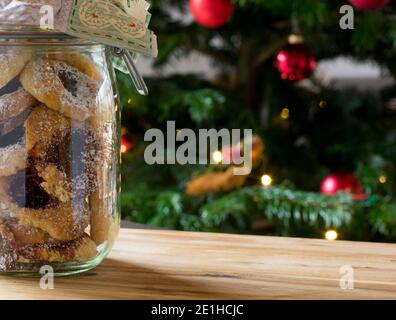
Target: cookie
{"points": [[8, 253], [12, 62], [81, 249], [25, 235], [101, 200], [14, 109], [101, 219], [61, 87], [64, 153], [55, 182], [34, 207], [42, 125], [12, 159], [78, 61]]}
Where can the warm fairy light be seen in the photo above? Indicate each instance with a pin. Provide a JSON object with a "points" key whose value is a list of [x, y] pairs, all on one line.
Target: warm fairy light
{"points": [[331, 235], [285, 114], [266, 180], [322, 104], [217, 156], [126, 143], [124, 148], [130, 101], [382, 179]]}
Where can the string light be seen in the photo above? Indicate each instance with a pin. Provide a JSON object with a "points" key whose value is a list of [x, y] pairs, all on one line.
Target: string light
{"points": [[124, 148], [382, 179], [285, 114], [331, 235], [126, 143], [217, 156], [266, 180], [322, 104], [130, 101]]}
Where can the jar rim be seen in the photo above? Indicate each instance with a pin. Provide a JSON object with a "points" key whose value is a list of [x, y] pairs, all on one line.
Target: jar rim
{"points": [[12, 32]]}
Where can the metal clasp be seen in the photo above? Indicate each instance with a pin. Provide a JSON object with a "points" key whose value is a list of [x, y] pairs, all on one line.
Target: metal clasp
{"points": [[137, 79]]}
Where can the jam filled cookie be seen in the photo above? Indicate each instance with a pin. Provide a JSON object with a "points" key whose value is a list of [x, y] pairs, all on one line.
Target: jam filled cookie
{"points": [[81, 249], [78, 61], [42, 125], [61, 87], [14, 109], [12, 62], [34, 207], [63, 152]]}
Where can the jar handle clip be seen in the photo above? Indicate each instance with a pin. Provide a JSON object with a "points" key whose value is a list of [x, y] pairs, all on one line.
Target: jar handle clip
{"points": [[137, 79]]}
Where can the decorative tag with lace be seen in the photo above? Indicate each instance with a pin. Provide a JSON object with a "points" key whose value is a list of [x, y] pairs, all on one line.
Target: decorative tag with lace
{"points": [[119, 23]]}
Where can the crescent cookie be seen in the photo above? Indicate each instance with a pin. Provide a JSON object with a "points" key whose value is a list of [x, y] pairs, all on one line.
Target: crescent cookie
{"points": [[61, 87], [12, 62], [14, 109], [81, 249], [78, 61], [12, 159], [33, 207]]}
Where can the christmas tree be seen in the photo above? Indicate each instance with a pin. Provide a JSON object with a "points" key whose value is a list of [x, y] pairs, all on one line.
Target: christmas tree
{"points": [[323, 156]]}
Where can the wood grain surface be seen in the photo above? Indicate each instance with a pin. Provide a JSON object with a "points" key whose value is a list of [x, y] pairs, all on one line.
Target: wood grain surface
{"points": [[154, 264]]}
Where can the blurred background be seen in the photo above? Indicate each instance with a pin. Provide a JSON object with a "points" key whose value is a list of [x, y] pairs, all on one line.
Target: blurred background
{"points": [[321, 102]]}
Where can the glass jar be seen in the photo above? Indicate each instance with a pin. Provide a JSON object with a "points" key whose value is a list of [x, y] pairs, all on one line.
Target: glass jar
{"points": [[59, 153]]}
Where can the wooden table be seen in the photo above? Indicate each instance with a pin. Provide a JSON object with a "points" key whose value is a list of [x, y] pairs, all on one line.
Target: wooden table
{"points": [[154, 264]]}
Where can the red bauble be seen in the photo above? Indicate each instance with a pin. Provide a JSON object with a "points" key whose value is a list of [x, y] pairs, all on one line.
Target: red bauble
{"points": [[295, 62], [126, 143], [367, 5], [346, 182], [211, 13]]}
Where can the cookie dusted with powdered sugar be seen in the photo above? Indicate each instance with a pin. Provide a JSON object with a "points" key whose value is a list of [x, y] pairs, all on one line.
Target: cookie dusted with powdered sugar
{"points": [[61, 87]]}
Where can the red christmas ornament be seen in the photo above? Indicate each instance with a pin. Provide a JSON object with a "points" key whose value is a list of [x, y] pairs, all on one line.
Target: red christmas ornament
{"points": [[126, 143], [367, 5], [295, 62], [343, 182], [211, 13]]}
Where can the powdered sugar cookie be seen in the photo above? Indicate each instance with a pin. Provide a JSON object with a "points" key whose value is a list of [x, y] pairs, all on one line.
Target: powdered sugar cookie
{"points": [[61, 87], [81, 249], [33, 207], [8, 253], [55, 182], [24, 235], [14, 109], [64, 154], [12, 61], [78, 61], [12, 159], [101, 219], [42, 125]]}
